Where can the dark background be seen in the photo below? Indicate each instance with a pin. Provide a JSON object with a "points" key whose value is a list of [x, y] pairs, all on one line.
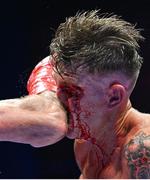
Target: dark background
{"points": [[25, 34]]}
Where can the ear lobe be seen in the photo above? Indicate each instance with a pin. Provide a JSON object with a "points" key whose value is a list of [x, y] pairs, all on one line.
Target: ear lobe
{"points": [[115, 95]]}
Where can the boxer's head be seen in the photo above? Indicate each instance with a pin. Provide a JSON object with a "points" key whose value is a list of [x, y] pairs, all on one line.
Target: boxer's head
{"points": [[98, 63]]}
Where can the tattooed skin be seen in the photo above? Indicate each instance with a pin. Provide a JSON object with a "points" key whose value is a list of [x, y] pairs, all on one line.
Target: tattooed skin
{"points": [[137, 153]]}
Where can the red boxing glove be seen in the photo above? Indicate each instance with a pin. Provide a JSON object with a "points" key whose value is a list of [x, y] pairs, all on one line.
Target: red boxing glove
{"points": [[41, 78]]}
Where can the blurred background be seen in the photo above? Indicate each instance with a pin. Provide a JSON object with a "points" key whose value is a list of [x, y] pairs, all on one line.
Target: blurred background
{"points": [[26, 30]]}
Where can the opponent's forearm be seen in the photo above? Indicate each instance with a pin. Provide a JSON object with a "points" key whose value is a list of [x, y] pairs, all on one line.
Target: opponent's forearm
{"points": [[41, 102], [37, 129], [38, 120]]}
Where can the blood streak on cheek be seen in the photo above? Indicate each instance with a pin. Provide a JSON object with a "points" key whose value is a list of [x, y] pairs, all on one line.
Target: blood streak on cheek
{"points": [[85, 129], [75, 110], [70, 97]]}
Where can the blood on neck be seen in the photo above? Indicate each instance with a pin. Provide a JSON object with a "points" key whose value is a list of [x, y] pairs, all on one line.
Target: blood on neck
{"points": [[74, 94]]}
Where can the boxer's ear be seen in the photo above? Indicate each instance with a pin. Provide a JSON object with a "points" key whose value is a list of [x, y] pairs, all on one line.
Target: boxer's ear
{"points": [[116, 94]]}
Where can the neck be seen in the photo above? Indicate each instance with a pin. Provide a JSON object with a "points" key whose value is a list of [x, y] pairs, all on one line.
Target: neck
{"points": [[106, 137], [120, 125]]}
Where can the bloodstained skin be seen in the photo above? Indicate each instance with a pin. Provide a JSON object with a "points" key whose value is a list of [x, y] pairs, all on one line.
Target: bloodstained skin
{"points": [[74, 94]]}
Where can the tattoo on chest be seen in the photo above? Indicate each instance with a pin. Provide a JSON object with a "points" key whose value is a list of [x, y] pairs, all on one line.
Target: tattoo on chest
{"points": [[137, 153]]}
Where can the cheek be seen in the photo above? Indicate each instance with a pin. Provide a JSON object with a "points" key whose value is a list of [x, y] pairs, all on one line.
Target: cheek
{"points": [[88, 110], [91, 106]]}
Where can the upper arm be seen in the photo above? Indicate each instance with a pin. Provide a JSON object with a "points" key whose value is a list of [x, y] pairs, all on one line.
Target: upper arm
{"points": [[137, 156]]}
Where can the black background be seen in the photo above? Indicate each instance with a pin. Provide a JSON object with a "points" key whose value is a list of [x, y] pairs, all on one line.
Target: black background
{"points": [[25, 34]]}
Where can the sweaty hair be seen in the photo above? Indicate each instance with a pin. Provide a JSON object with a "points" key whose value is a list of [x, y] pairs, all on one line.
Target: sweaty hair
{"points": [[96, 43]]}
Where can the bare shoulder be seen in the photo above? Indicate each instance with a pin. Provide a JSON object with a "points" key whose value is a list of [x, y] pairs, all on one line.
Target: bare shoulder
{"points": [[141, 120], [136, 155], [146, 121]]}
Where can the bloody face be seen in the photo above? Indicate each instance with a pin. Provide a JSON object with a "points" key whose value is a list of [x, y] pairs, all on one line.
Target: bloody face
{"points": [[82, 101]]}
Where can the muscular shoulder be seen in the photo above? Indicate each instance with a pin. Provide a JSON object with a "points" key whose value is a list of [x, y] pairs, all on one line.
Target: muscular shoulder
{"points": [[137, 155], [139, 120]]}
